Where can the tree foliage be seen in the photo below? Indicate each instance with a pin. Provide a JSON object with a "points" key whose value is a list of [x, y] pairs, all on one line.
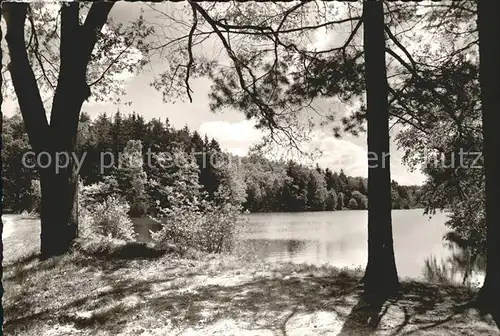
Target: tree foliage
{"points": [[259, 184]]}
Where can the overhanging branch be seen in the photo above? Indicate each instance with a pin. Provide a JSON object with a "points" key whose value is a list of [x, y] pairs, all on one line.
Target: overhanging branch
{"points": [[95, 20], [401, 47], [112, 63], [190, 53], [36, 50]]}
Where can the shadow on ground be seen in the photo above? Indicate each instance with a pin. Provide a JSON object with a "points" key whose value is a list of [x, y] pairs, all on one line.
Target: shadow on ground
{"points": [[77, 295]]}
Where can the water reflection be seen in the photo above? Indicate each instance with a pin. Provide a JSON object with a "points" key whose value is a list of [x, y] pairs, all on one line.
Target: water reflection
{"points": [[143, 226], [462, 266], [302, 251], [340, 239], [276, 249]]}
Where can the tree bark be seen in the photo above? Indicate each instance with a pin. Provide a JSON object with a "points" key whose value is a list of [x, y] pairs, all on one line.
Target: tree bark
{"points": [[1, 183], [489, 75], [381, 279], [59, 211]]}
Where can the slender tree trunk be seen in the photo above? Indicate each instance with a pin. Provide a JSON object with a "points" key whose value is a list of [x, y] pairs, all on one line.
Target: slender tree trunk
{"points": [[489, 75], [381, 279]]}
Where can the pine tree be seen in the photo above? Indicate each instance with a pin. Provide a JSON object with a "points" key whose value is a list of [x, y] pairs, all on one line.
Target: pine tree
{"points": [[131, 178], [331, 203]]}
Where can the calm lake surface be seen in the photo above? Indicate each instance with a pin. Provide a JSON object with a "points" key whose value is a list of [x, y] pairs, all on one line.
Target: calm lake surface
{"points": [[339, 238]]}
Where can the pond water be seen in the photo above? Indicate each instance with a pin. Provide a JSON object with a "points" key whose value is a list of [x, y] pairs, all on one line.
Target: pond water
{"points": [[339, 238]]}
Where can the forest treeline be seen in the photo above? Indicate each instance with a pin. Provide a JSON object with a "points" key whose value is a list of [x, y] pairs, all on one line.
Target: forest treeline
{"points": [[269, 186]]}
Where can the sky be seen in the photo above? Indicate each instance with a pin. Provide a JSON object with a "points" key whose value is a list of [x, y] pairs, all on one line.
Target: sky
{"points": [[234, 133]]}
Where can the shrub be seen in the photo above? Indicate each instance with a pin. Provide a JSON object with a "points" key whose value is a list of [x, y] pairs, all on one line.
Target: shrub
{"points": [[353, 204], [191, 221], [211, 230], [35, 197], [108, 219], [179, 226], [89, 195], [131, 178], [218, 229], [183, 209], [99, 245], [127, 182]]}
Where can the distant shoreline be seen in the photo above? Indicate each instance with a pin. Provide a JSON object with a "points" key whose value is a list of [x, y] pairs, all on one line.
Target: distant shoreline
{"points": [[318, 211]]}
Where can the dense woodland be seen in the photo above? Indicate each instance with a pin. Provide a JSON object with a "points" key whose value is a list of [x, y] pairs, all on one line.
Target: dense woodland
{"points": [[269, 186]]}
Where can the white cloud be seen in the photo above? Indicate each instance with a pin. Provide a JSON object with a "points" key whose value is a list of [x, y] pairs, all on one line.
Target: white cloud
{"points": [[321, 40], [238, 151], [340, 154], [334, 36], [236, 138]]}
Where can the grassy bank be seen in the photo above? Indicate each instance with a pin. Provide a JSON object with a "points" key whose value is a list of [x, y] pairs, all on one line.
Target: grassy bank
{"points": [[212, 295]]}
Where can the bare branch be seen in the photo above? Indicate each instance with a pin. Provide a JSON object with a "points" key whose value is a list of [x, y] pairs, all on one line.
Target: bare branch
{"points": [[451, 6], [112, 63], [190, 53], [409, 122], [237, 62], [262, 30], [401, 47]]}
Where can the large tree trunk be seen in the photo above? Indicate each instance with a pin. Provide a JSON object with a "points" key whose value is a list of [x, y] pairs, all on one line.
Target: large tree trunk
{"points": [[59, 213], [59, 210], [1, 182], [381, 279], [489, 74], [59, 185]]}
